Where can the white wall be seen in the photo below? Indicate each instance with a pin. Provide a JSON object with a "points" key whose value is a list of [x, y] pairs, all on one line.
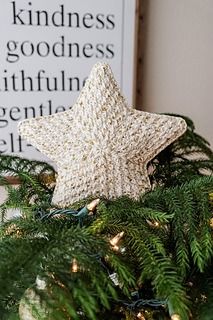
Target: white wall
{"points": [[178, 66]]}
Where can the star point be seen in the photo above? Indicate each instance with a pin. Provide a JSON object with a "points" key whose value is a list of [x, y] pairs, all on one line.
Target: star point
{"points": [[101, 146]]}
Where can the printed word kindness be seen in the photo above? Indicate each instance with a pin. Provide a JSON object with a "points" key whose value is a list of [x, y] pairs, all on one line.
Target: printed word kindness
{"points": [[29, 16]]}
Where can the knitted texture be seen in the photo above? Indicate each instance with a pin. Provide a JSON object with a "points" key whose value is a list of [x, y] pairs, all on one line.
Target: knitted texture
{"points": [[101, 146]]}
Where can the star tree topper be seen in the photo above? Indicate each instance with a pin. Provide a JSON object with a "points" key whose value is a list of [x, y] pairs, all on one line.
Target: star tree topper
{"points": [[101, 146]]}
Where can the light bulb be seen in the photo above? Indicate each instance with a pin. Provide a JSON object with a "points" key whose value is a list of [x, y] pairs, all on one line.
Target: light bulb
{"points": [[116, 248], [175, 317], [40, 283], [114, 241], [140, 316], [13, 229], [92, 205], [74, 267]]}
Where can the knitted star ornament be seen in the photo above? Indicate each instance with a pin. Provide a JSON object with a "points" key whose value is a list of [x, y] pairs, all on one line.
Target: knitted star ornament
{"points": [[101, 146]]}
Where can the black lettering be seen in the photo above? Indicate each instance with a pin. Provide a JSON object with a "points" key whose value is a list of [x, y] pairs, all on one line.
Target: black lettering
{"points": [[110, 51], [5, 81], [24, 48], [60, 16], [88, 17], [16, 16], [54, 81], [60, 109], [14, 78], [30, 15], [76, 45], [41, 107], [20, 144], [86, 48], [3, 143], [39, 77], [32, 115], [50, 106], [39, 15], [110, 19], [13, 111], [46, 48], [99, 18], [3, 122], [70, 15], [84, 81], [100, 52], [24, 80], [11, 55], [77, 84], [58, 48], [62, 80], [12, 142]]}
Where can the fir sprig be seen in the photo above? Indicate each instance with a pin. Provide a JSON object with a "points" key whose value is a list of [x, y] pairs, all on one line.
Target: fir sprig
{"points": [[188, 157], [165, 251]]}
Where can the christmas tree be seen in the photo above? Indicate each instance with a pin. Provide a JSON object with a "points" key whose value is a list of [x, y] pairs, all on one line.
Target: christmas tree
{"points": [[122, 257]]}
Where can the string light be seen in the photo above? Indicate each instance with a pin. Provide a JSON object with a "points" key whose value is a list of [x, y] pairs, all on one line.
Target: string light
{"points": [[115, 248], [79, 214], [114, 278], [203, 297], [92, 205], [40, 283], [13, 229], [140, 316], [211, 197], [115, 240], [175, 317], [154, 224], [74, 267]]}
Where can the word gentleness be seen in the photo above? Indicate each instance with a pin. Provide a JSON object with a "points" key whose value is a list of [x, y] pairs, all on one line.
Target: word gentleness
{"points": [[11, 142], [17, 113]]}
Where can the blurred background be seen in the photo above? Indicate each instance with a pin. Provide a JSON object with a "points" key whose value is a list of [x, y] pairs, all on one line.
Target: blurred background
{"points": [[175, 68]]}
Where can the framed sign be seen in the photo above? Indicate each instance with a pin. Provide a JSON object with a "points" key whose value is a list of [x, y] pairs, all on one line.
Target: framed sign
{"points": [[47, 50]]}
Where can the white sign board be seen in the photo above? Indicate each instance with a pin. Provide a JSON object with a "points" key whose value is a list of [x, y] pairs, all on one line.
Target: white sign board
{"points": [[47, 49]]}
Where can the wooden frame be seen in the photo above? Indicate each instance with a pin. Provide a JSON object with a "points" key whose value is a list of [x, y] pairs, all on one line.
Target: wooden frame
{"points": [[139, 50]]}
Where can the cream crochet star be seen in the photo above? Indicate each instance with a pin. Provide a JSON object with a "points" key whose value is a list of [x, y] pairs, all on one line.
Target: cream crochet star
{"points": [[101, 146]]}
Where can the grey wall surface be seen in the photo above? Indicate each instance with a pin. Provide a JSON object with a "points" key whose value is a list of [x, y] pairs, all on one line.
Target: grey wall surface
{"points": [[178, 60]]}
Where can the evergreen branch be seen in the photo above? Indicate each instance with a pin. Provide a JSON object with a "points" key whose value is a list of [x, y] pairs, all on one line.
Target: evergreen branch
{"points": [[189, 156], [13, 165]]}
